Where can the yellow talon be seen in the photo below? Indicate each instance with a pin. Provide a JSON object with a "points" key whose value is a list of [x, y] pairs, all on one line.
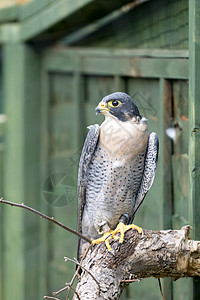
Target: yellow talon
{"points": [[101, 239], [121, 228], [108, 244], [105, 238]]}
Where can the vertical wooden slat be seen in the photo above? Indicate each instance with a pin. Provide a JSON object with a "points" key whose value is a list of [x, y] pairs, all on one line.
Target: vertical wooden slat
{"points": [[1, 212], [44, 171], [194, 115], [21, 248], [1, 183], [79, 114], [165, 150], [13, 260], [119, 84], [31, 187], [165, 169], [62, 125], [180, 162], [1, 221], [194, 125]]}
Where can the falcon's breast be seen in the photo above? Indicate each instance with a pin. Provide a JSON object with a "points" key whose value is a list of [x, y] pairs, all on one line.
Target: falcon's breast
{"points": [[115, 173]]}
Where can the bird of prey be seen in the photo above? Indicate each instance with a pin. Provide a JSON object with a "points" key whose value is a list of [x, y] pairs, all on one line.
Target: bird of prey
{"points": [[117, 167]]}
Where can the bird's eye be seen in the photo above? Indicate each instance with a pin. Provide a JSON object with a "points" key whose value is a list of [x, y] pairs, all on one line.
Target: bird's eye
{"points": [[114, 103]]}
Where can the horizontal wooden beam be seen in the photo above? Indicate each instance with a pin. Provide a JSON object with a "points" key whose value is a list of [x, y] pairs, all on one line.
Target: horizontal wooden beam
{"points": [[54, 13], [23, 12], [9, 13], [45, 17], [61, 16], [164, 53], [33, 7], [134, 63]]}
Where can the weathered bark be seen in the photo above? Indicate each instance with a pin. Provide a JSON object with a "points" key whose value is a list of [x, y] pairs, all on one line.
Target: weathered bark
{"points": [[166, 253]]}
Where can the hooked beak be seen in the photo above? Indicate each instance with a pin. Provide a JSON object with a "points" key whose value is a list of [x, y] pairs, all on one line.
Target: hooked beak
{"points": [[101, 108]]}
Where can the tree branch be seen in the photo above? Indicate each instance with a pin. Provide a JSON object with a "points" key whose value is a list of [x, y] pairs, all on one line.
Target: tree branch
{"points": [[165, 253], [51, 219]]}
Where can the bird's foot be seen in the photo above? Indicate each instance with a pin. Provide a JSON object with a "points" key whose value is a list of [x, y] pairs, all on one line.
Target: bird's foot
{"points": [[105, 238], [121, 228]]}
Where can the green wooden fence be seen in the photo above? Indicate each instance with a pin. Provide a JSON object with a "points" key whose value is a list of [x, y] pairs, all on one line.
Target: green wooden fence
{"points": [[49, 95]]}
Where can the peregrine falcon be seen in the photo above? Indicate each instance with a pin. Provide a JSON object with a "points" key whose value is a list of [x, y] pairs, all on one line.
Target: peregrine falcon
{"points": [[117, 168]]}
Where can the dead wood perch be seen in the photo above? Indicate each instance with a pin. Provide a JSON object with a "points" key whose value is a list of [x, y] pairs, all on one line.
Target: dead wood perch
{"points": [[166, 253]]}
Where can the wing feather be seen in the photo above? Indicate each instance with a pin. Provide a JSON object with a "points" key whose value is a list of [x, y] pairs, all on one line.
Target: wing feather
{"points": [[85, 159], [149, 171]]}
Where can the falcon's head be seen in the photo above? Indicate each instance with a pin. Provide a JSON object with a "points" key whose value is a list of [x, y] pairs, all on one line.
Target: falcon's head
{"points": [[119, 105]]}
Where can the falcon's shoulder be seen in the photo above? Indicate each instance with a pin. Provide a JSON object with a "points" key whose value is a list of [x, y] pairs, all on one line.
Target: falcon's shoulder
{"points": [[85, 159], [149, 170]]}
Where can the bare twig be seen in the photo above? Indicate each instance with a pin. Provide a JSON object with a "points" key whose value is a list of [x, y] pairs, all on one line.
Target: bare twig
{"points": [[160, 287], [69, 286], [75, 261], [61, 290], [77, 270], [53, 298], [131, 280], [22, 205], [75, 292]]}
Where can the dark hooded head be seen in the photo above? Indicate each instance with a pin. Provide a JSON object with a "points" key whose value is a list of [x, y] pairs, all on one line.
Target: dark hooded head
{"points": [[119, 105]]}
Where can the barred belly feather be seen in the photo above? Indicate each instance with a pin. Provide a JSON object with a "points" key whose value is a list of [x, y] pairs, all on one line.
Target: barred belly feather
{"points": [[111, 188]]}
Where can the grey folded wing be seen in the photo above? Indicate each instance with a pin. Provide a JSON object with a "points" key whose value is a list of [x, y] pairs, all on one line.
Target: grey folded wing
{"points": [[149, 171], [85, 159]]}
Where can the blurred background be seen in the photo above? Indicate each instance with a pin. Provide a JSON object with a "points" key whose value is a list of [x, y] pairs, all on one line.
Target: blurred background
{"points": [[58, 58]]}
